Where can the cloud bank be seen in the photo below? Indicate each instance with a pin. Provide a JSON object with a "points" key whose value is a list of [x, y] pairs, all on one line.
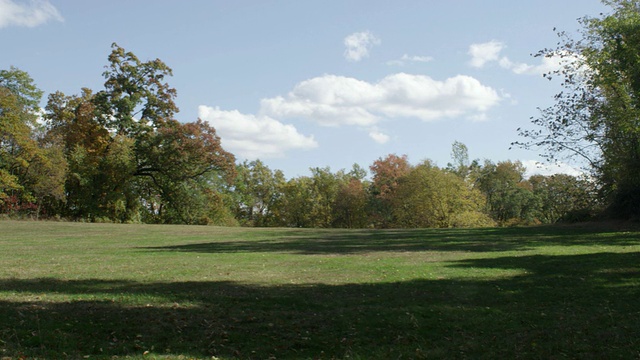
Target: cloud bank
{"points": [[29, 14], [332, 100], [336, 101]]}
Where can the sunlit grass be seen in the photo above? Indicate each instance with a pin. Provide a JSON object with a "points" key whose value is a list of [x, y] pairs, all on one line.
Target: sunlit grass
{"points": [[71, 290]]}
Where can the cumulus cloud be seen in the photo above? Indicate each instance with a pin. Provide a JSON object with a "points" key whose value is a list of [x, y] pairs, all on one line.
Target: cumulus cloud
{"points": [[537, 168], [29, 14], [484, 53], [410, 58], [252, 136], [358, 45], [332, 100]]}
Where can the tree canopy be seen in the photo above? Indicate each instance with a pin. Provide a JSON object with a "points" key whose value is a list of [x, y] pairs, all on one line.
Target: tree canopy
{"points": [[596, 115], [119, 154]]}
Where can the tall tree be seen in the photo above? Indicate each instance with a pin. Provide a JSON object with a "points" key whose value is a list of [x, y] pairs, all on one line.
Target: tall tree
{"points": [[386, 174], [596, 115], [32, 168], [509, 196], [14, 145], [350, 204], [258, 190], [296, 207], [325, 187], [28, 96], [460, 157], [564, 197], [130, 160]]}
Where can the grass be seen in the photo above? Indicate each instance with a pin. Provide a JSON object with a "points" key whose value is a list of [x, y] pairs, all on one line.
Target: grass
{"points": [[106, 291]]}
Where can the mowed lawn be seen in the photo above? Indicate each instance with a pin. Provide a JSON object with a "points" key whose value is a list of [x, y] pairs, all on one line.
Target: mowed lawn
{"points": [[107, 291]]}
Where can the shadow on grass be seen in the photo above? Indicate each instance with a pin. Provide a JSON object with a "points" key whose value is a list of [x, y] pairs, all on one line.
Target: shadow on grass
{"points": [[313, 241], [577, 306]]}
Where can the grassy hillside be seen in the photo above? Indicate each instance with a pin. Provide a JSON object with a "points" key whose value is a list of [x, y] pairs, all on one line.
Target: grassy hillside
{"points": [[100, 291]]}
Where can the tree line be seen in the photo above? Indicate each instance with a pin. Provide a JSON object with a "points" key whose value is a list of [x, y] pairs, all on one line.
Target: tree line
{"points": [[119, 154], [401, 195]]}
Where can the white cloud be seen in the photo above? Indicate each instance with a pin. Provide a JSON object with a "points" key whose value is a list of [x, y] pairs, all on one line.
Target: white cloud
{"points": [[31, 14], [378, 136], [484, 53], [332, 100], [407, 58], [547, 64], [537, 168], [328, 100], [252, 136], [478, 117], [358, 45]]}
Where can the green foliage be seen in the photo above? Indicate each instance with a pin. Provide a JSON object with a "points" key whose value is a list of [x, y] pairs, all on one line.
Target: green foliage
{"points": [[460, 156], [431, 197], [295, 208], [119, 155], [14, 137], [135, 100], [595, 116], [32, 168], [386, 174], [46, 176], [129, 159], [20, 84], [563, 196], [258, 190], [509, 198], [324, 188], [350, 205]]}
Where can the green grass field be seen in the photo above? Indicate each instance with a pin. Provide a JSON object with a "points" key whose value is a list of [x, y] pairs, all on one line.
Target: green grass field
{"points": [[106, 291]]}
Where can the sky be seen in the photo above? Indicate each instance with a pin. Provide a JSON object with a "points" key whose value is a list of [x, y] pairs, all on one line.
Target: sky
{"points": [[302, 84]]}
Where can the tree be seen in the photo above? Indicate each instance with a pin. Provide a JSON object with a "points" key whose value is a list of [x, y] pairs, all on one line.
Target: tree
{"points": [[73, 120], [509, 197], [460, 157], [14, 145], [563, 197], [325, 187], [595, 117], [136, 100], [32, 169], [386, 174], [129, 158], [257, 189], [431, 197], [28, 96], [295, 208], [350, 204]]}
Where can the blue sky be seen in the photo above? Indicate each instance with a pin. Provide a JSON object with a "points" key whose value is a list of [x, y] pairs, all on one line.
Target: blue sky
{"points": [[303, 84]]}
